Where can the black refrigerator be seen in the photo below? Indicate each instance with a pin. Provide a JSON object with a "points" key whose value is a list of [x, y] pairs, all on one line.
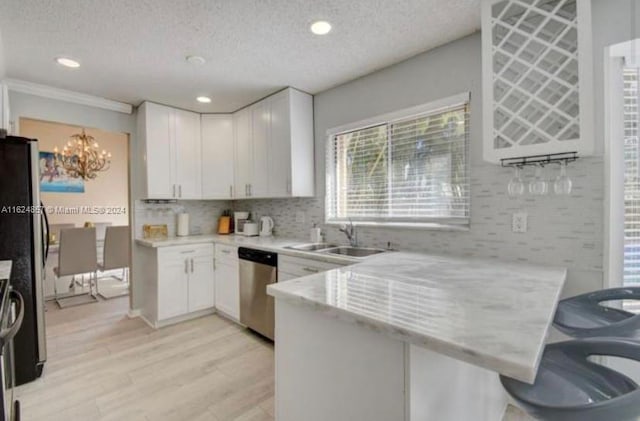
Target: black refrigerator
{"points": [[23, 239]]}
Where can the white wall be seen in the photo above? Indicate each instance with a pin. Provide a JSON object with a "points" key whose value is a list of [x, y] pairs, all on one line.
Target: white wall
{"points": [[110, 189]]}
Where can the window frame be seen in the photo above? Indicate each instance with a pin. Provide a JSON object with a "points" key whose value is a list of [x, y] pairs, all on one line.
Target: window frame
{"points": [[436, 223]]}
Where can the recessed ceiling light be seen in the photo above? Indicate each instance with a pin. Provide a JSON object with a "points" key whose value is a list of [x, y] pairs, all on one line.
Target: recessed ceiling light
{"points": [[203, 99], [320, 27], [197, 60], [67, 62]]}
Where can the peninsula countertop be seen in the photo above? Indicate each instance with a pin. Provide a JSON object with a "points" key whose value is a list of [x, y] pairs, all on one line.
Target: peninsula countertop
{"points": [[489, 313]]}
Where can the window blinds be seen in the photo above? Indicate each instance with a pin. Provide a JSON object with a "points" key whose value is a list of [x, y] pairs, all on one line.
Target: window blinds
{"points": [[406, 170], [631, 179]]}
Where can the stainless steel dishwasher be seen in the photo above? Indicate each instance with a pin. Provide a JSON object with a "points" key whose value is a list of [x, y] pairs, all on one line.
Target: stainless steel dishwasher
{"points": [[257, 270]]}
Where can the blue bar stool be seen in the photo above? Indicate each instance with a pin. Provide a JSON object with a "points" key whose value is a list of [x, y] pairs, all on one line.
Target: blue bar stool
{"points": [[569, 387], [584, 316]]}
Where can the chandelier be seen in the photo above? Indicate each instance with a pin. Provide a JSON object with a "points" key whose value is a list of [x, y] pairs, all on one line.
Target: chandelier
{"points": [[81, 157]]}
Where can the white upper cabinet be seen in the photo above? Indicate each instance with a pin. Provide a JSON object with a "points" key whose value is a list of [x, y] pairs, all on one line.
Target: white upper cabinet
{"points": [[217, 156], [172, 150], [260, 124], [243, 154], [537, 78], [291, 163], [262, 151], [154, 130], [274, 147], [188, 154]]}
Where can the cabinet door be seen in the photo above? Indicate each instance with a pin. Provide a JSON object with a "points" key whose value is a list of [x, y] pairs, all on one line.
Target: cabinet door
{"points": [[279, 146], [157, 123], [201, 283], [537, 78], [173, 287], [259, 185], [217, 156], [188, 154], [243, 152], [227, 290]]}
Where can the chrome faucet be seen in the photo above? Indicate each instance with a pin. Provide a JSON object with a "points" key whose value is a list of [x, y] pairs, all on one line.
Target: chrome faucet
{"points": [[350, 232]]}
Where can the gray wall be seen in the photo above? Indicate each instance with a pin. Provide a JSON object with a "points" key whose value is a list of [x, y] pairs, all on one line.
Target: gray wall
{"points": [[563, 231]]}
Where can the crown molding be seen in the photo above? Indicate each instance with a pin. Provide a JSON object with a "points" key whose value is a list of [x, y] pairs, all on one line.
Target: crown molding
{"points": [[45, 91]]}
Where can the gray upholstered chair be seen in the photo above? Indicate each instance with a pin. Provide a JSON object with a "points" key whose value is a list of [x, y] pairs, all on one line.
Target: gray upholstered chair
{"points": [[54, 231], [116, 252], [77, 255]]}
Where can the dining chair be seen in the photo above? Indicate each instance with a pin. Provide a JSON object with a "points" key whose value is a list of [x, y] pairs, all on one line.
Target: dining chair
{"points": [[77, 255], [54, 231], [117, 245]]}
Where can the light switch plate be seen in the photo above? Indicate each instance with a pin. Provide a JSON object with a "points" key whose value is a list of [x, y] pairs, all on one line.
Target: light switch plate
{"points": [[519, 222]]}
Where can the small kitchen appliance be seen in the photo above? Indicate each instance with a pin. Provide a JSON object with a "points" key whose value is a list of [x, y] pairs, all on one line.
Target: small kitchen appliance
{"points": [[266, 226], [240, 218], [250, 229]]}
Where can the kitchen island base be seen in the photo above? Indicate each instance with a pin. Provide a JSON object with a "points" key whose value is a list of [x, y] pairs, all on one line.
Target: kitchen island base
{"points": [[333, 369]]}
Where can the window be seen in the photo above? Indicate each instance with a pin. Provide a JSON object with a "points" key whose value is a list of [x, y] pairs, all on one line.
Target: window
{"points": [[407, 168], [631, 179]]}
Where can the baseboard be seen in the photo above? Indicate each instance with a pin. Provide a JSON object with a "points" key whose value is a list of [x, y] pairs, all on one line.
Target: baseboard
{"points": [[133, 313]]}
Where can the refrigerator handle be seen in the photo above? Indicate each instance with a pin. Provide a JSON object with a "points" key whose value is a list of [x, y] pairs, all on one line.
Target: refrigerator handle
{"points": [[45, 234]]}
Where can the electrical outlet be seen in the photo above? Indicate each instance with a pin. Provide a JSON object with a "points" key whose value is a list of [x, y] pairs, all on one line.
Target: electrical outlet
{"points": [[300, 217], [519, 222]]}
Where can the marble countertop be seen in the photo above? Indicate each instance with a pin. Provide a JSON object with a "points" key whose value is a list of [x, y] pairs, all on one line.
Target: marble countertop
{"points": [[275, 244], [5, 269], [489, 313]]}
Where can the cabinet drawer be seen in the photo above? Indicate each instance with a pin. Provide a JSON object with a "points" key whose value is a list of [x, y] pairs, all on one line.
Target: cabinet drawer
{"points": [[226, 254], [186, 251], [303, 267]]}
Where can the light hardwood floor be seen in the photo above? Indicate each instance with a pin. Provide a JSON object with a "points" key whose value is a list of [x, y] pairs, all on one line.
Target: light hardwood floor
{"points": [[104, 366]]}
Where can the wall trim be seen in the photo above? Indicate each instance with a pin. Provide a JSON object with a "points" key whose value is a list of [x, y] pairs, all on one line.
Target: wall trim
{"points": [[45, 91]]}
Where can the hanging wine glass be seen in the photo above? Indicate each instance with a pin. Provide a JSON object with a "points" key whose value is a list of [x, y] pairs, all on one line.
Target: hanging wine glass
{"points": [[538, 186], [516, 185], [563, 184]]}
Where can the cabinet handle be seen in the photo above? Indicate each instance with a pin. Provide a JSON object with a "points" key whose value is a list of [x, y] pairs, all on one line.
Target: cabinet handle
{"points": [[246, 190], [312, 270], [191, 265], [225, 251], [250, 190], [230, 191], [186, 265], [214, 263], [288, 186], [187, 251], [174, 191], [180, 190]]}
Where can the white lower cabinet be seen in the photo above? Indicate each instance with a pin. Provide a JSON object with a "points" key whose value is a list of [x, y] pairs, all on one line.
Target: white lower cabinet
{"points": [[227, 285], [295, 267], [185, 280]]}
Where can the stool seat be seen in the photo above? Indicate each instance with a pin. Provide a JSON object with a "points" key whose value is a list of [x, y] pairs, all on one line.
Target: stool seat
{"points": [[570, 387], [584, 316]]}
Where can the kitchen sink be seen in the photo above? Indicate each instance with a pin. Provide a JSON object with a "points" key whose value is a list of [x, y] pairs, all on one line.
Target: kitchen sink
{"points": [[313, 246], [353, 251]]}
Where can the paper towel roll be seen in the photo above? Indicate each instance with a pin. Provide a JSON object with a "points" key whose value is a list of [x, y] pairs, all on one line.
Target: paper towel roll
{"points": [[183, 224]]}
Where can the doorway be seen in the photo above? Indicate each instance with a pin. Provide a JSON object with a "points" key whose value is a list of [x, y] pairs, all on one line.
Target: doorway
{"points": [[72, 202]]}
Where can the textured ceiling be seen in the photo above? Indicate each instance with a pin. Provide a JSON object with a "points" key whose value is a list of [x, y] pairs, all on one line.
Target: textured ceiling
{"points": [[132, 50]]}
